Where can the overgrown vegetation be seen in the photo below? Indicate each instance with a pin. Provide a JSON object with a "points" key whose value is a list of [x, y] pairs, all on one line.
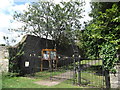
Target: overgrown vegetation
{"points": [[100, 39], [14, 57]]}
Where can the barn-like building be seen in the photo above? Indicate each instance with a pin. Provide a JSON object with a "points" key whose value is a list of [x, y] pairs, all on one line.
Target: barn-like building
{"points": [[27, 54]]}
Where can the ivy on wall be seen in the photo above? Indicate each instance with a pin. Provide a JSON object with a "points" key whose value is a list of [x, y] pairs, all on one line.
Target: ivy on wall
{"points": [[15, 54]]}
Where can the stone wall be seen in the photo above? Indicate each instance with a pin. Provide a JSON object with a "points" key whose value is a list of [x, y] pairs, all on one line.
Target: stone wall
{"points": [[4, 62], [3, 52], [115, 78], [119, 75], [4, 65]]}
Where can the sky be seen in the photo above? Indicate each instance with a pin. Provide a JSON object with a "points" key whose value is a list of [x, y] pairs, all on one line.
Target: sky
{"points": [[7, 9]]}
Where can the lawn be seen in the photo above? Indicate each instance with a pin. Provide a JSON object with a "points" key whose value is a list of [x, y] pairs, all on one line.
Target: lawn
{"points": [[95, 80], [27, 81]]}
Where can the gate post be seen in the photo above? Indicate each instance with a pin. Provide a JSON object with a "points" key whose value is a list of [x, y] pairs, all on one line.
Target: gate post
{"points": [[107, 79], [79, 70], [74, 71]]}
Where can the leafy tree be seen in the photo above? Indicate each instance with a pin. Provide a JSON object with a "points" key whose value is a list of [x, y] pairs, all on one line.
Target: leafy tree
{"points": [[6, 40], [51, 20], [103, 33], [100, 7], [36, 19]]}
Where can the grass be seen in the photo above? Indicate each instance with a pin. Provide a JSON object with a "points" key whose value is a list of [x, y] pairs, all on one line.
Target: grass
{"points": [[95, 80], [28, 82], [97, 62], [85, 61], [92, 73]]}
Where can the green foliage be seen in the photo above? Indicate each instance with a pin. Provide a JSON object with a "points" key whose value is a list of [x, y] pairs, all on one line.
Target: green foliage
{"points": [[100, 6], [50, 19], [8, 75], [15, 54], [101, 37], [108, 53]]}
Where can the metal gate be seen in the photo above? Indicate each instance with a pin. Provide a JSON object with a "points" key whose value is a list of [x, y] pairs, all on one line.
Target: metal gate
{"points": [[78, 71], [64, 71]]}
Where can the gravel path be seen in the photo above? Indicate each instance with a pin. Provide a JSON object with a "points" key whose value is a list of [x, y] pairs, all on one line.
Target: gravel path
{"points": [[56, 79], [64, 76]]}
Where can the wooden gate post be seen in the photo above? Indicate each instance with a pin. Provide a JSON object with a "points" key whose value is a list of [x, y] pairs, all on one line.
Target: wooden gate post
{"points": [[107, 79]]}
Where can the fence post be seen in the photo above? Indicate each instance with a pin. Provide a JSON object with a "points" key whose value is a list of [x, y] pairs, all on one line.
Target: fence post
{"points": [[107, 79]]}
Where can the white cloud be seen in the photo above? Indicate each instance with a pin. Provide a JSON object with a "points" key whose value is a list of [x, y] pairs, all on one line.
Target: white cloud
{"points": [[5, 3], [7, 8], [20, 8], [1, 37], [4, 20]]}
